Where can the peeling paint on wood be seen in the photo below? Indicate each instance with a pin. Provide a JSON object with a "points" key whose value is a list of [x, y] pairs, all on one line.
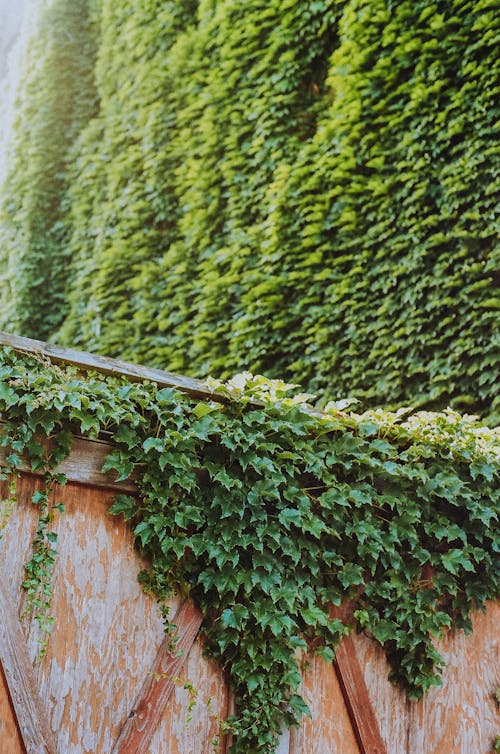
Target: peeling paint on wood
{"points": [[143, 719], [19, 678], [461, 716], [329, 731], [84, 465], [196, 730], [10, 741]]}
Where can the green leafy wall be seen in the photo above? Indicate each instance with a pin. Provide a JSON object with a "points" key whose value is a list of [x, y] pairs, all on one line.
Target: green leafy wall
{"points": [[300, 188], [57, 98]]}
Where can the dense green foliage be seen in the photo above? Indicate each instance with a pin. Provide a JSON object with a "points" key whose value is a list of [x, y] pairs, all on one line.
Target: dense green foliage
{"points": [[305, 189], [267, 513], [57, 99]]}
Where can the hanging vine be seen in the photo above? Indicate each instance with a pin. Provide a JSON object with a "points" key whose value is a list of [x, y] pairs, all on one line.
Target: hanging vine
{"points": [[267, 513]]}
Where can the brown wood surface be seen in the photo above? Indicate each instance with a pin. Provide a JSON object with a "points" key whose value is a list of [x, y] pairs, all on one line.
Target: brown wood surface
{"points": [[22, 686], [361, 714], [10, 739], [462, 716], [329, 730], [84, 465], [147, 712], [459, 717], [194, 730], [354, 691], [107, 631]]}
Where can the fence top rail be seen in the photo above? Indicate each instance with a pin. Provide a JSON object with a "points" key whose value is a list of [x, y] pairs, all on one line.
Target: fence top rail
{"points": [[104, 365]]}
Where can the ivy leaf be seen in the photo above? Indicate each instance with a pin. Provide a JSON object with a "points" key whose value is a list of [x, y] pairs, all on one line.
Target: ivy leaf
{"points": [[456, 559], [203, 409], [126, 505], [290, 516], [326, 653], [144, 531]]}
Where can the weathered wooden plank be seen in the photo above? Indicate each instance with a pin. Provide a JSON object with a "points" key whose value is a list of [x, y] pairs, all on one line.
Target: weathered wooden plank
{"points": [[390, 704], [10, 740], [354, 690], [192, 718], [462, 716], [134, 372], [459, 717], [355, 693], [23, 690], [84, 465], [329, 730], [105, 365], [159, 685], [107, 630]]}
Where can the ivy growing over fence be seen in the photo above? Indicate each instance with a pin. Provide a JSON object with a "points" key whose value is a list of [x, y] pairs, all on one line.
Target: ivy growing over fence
{"points": [[267, 513]]}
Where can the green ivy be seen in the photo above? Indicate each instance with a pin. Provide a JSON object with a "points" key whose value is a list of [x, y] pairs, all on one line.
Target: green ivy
{"points": [[267, 513], [56, 100], [305, 189]]}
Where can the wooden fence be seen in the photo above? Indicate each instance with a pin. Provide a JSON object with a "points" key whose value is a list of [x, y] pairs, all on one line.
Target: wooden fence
{"points": [[110, 684]]}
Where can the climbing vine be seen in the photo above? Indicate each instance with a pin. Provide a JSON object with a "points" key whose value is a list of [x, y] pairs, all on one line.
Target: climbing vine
{"points": [[268, 513], [304, 189]]}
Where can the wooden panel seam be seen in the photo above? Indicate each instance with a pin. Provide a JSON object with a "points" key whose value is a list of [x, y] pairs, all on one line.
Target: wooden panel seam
{"points": [[26, 701], [355, 693], [147, 712]]}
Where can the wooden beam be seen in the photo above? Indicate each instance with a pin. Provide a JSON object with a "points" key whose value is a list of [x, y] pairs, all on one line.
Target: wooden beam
{"points": [[24, 694], [103, 365], [83, 465], [135, 373], [144, 718], [231, 710], [353, 686]]}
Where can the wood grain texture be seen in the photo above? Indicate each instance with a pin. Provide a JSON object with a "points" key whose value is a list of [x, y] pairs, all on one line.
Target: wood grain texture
{"points": [[359, 708], [459, 717], [84, 465], [15, 545], [10, 740], [103, 365], [107, 630], [462, 716], [18, 674], [353, 687], [390, 705], [329, 730], [194, 730], [143, 719]]}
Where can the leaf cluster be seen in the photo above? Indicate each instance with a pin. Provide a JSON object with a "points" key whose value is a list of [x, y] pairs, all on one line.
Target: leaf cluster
{"points": [[268, 514]]}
